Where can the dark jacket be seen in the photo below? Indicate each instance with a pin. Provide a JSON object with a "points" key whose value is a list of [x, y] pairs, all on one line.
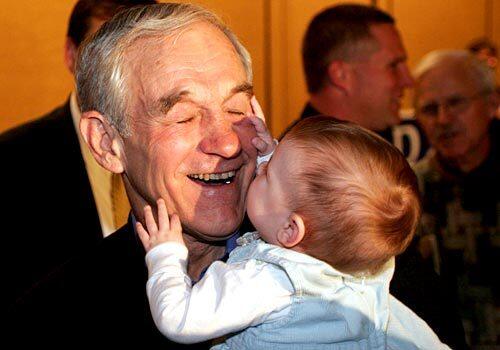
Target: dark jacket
{"points": [[48, 206], [98, 298]]}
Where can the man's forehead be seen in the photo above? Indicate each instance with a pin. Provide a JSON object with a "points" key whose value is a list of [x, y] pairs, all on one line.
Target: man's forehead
{"points": [[189, 46], [445, 80]]}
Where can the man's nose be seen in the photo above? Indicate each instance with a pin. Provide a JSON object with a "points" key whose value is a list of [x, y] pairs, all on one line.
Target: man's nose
{"points": [[444, 116], [220, 138]]}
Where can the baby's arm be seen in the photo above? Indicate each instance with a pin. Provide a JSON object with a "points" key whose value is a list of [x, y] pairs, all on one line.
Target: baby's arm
{"points": [[227, 299]]}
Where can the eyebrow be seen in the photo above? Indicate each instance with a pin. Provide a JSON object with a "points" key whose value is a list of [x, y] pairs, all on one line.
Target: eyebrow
{"points": [[166, 103], [245, 88]]}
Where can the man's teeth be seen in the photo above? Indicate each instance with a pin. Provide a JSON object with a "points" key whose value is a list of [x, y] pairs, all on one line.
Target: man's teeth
{"points": [[219, 176]]}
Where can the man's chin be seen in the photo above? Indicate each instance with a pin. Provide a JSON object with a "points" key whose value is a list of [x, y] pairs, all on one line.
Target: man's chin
{"points": [[213, 232]]}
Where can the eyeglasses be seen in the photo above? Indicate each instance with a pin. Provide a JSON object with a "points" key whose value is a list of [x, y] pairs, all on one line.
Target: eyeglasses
{"points": [[454, 104]]}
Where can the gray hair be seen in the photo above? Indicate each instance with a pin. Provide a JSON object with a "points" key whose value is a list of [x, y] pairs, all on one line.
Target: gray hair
{"points": [[474, 68], [100, 77]]}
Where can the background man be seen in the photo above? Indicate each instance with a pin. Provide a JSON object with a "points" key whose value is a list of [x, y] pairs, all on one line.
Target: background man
{"points": [[355, 68], [51, 183], [164, 90], [455, 103], [485, 50]]}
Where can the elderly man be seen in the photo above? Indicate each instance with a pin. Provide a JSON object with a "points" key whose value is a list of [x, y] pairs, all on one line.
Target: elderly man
{"points": [[164, 92], [456, 103], [68, 183], [355, 68]]}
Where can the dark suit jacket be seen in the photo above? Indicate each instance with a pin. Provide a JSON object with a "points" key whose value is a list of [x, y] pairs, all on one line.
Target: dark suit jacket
{"points": [[49, 214], [97, 298]]}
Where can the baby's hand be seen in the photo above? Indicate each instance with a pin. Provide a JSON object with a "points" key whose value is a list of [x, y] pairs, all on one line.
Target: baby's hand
{"points": [[264, 141], [167, 230]]}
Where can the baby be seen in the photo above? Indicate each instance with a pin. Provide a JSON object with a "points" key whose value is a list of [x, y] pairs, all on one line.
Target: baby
{"points": [[332, 208]]}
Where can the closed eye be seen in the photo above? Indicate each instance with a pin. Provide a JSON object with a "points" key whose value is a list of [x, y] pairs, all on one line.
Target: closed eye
{"points": [[236, 112], [184, 121]]}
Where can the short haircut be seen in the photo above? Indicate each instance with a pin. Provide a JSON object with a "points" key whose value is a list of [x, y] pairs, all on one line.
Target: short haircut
{"points": [[356, 192], [475, 69], [482, 43], [85, 10], [337, 33], [100, 76]]}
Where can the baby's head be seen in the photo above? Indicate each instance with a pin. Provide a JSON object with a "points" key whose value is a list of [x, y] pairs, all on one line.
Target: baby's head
{"points": [[337, 192]]}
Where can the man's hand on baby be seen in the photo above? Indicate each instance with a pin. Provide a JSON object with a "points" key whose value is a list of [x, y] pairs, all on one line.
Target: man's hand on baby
{"points": [[263, 141], [167, 229]]}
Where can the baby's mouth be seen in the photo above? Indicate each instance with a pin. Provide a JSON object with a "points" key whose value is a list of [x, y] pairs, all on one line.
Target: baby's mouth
{"points": [[224, 178]]}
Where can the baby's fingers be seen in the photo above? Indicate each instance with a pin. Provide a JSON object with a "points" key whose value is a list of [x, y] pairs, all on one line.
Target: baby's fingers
{"points": [[260, 144], [257, 109], [176, 229], [150, 220], [163, 221], [143, 235], [259, 124]]}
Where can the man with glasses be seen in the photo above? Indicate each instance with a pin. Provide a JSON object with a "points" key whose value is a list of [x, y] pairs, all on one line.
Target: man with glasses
{"points": [[455, 104]]}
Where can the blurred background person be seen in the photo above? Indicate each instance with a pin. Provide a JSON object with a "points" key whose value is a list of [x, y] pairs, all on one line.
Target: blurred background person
{"points": [[71, 203], [485, 50], [355, 67], [455, 102]]}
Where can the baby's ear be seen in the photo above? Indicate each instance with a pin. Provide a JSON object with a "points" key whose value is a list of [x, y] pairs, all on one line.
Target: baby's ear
{"points": [[292, 233]]}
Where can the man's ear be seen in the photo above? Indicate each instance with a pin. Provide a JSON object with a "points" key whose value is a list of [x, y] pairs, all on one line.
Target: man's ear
{"points": [[103, 140], [340, 75], [70, 52], [292, 233]]}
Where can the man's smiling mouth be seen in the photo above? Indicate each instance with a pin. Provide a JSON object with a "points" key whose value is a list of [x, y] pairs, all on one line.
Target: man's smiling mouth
{"points": [[214, 178]]}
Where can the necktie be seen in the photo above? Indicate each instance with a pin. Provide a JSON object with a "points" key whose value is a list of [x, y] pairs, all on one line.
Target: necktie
{"points": [[119, 201]]}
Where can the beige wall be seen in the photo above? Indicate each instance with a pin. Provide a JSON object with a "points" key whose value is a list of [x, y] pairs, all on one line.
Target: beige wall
{"points": [[33, 78]]}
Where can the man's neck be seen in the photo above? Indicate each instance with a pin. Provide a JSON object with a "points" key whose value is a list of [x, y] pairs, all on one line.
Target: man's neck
{"points": [[328, 103], [201, 255]]}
